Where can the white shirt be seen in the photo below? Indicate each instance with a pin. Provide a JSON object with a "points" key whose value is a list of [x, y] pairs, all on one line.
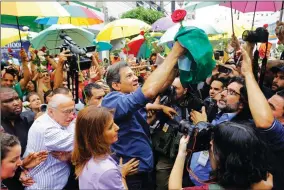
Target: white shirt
{"points": [[46, 134]]}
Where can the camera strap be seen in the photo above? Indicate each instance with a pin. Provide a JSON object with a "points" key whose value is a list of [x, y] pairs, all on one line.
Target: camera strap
{"points": [[189, 156]]}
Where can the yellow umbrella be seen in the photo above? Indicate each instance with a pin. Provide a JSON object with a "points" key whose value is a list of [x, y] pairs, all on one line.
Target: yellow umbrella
{"points": [[9, 35], [33, 9], [29, 9], [122, 28]]}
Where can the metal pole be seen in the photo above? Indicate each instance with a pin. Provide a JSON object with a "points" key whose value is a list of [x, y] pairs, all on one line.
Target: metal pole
{"points": [[173, 5], [253, 16], [281, 12], [19, 31], [232, 18]]}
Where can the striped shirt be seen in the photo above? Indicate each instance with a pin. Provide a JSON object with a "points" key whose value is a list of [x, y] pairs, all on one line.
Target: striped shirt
{"points": [[46, 134]]}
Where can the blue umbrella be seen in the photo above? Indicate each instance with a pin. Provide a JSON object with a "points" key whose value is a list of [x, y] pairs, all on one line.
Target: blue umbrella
{"points": [[102, 46]]}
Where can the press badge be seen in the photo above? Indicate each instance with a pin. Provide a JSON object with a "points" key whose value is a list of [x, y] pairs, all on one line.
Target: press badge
{"points": [[165, 128], [203, 158]]}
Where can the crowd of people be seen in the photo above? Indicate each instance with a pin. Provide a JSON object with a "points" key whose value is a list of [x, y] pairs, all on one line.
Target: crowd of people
{"points": [[131, 126]]}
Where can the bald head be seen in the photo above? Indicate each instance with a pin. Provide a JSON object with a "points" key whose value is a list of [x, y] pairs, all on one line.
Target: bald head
{"points": [[61, 109], [58, 99]]}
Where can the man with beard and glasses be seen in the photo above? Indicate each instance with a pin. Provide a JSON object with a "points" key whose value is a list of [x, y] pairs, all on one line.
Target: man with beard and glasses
{"points": [[233, 106]]}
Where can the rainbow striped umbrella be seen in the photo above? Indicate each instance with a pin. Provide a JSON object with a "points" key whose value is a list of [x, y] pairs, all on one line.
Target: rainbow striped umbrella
{"points": [[78, 16]]}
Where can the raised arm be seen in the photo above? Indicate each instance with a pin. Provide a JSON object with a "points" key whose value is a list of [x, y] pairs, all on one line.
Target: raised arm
{"points": [[164, 75], [259, 107], [58, 78], [26, 71]]}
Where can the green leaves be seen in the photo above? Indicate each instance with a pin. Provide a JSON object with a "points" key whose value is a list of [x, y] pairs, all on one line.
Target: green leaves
{"points": [[147, 15]]}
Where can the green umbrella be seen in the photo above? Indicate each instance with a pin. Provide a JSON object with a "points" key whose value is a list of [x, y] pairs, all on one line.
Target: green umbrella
{"points": [[23, 21], [50, 37]]}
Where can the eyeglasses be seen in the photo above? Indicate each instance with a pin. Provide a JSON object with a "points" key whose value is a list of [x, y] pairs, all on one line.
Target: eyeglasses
{"points": [[66, 112], [231, 92], [45, 75]]}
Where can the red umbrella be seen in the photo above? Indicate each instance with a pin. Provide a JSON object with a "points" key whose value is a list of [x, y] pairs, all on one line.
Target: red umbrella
{"points": [[134, 45]]}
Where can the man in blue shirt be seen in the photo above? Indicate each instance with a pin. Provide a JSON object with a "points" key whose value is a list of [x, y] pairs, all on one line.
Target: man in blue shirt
{"points": [[233, 106], [269, 119], [129, 101]]}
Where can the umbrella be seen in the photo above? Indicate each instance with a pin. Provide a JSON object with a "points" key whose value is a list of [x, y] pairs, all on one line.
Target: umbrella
{"points": [[195, 6], [122, 28], [78, 16], [9, 35], [102, 46], [171, 32], [51, 40], [254, 6], [162, 24], [138, 46], [28, 9], [94, 28]]}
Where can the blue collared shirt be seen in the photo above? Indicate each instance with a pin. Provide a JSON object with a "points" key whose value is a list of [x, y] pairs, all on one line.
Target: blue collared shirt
{"points": [[134, 133], [202, 172]]}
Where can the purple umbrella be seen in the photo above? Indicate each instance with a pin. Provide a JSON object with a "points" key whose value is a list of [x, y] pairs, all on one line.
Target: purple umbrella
{"points": [[162, 24]]}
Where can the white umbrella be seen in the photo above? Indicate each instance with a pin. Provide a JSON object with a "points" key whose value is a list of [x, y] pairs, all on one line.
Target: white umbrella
{"points": [[50, 37], [171, 32]]}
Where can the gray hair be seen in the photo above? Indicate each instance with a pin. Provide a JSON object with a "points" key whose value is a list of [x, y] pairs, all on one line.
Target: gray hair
{"points": [[58, 99], [113, 73]]}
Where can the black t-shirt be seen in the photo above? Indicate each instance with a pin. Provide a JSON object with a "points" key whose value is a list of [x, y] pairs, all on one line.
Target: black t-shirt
{"points": [[21, 127]]}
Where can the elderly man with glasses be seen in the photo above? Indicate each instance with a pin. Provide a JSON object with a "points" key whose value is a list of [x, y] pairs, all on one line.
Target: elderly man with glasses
{"points": [[49, 132], [233, 106]]}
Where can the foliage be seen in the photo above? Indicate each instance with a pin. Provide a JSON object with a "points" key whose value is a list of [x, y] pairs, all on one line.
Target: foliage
{"points": [[147, 15]]}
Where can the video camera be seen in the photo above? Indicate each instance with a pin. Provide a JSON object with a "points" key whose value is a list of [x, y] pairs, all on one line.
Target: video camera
{"points": [[78, 54], [259, 35]]}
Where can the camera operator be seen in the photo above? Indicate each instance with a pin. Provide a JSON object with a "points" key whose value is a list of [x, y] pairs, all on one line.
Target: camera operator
{"points": [[269, 119], [237, 156], [164, 160], [129, 101], [232, 106]]}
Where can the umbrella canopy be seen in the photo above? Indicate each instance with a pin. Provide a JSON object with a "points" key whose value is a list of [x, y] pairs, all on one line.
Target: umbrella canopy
{"points": [[193, 7], [9, 35], [171, 32], [51, 40], [162, 24], [254, 6], [94, 28], [122, 28], [78, 16], [102, 46], [33, 9], [138, 46], [15, 10]]}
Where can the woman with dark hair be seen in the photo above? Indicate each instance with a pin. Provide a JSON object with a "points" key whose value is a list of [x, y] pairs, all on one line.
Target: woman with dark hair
{"points": [[10, 155], [237, 157], [94, 133], [11, 174], [47, 96], [34, 102]]}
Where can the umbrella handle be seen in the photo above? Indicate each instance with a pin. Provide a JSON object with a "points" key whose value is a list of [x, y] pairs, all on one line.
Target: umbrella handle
{"points": [[19, 31], [253, 16], [233, 31]]}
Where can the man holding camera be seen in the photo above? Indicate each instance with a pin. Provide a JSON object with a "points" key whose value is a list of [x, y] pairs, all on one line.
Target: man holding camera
{"points": [[233, 106], [269, 119], [129, 101]]}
